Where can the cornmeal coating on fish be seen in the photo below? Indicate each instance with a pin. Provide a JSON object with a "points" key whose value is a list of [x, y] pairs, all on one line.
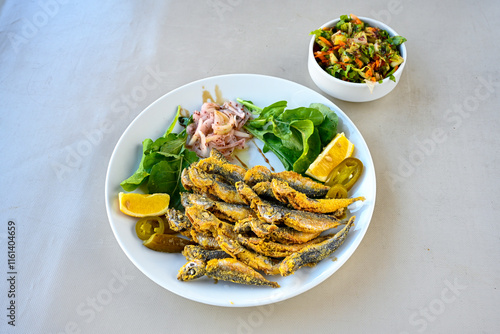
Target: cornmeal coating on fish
{"points": [[298, 182], [255, 225], [288, 235], [228, 269], [185, 180], [222, 210], [214, 185], [204, 239], [271, 213], [280, 234], [217, 164], [257, 261], [177, 220], [204, 221], [192, 252], [275, 249], [314, 253], [286, 194], [263, 189]]}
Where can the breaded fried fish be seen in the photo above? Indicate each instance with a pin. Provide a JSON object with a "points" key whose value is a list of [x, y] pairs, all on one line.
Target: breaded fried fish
{"points": [[314, 253], [218, 164], [204, 239], [204, 221], [298, 182], [288, 235], [255, 225], [192, 252], [177, 220], [281, 234], [210, 183], [185, 180], [228, 269], [236, 250], [222, 210], [286, 194], [299, 220], [275, 249]]}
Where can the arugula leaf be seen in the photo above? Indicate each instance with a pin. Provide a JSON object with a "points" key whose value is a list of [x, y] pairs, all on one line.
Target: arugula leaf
{"points": [[141, 174], [302, 113], [295, 136], [250, 106], [281, 129], [328, 128], [161, 165], [273, 110], [274, 144], [309, 152], [172, 126]]}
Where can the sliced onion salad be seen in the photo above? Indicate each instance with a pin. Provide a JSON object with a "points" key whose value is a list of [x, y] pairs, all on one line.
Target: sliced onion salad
{"points": [[218, 126]]}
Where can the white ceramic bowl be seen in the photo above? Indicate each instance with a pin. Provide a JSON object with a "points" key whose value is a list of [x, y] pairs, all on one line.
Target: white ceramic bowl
{"points": [[350, 91]]}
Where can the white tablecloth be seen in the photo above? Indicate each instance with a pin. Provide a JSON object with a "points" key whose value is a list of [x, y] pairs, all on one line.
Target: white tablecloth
{"points": [[69, 77]]}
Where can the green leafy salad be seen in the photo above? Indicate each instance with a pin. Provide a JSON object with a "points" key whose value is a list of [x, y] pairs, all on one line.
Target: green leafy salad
{"points": [[297, 136], [162, 163], [355, 52]]}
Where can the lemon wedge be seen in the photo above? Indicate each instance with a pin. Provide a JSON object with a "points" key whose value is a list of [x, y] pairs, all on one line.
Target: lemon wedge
{"points": [[143, 205], [333, 154]]}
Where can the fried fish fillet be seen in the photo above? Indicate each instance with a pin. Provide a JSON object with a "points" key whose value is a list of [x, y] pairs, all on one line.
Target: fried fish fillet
{"points": [[286, 194], [228, 269], [271, 213], [314, 253]]}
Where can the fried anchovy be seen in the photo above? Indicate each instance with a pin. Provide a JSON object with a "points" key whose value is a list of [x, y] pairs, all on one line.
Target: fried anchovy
{"points": [[255, 225], [177, 220], [204, 239], [229, 269], [263, 189], [275, 249], [299, 220], [314, 253], [285, 234], [280, 234], [298, 182], [286, 194], [214, 185], [204, 221], [185, 180], [222, 210], [217, 164], [192, 252], [251, 258]]}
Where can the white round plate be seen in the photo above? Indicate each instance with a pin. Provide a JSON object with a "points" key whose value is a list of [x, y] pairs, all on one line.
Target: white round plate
{"points": [[153, 121]]}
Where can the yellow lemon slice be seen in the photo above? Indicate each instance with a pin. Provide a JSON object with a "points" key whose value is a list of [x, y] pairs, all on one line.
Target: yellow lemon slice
{"points": [[333, 154], [142, 205]]}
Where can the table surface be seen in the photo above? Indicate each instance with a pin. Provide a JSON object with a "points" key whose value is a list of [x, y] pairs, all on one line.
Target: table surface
{"points": [[430, 259]]}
